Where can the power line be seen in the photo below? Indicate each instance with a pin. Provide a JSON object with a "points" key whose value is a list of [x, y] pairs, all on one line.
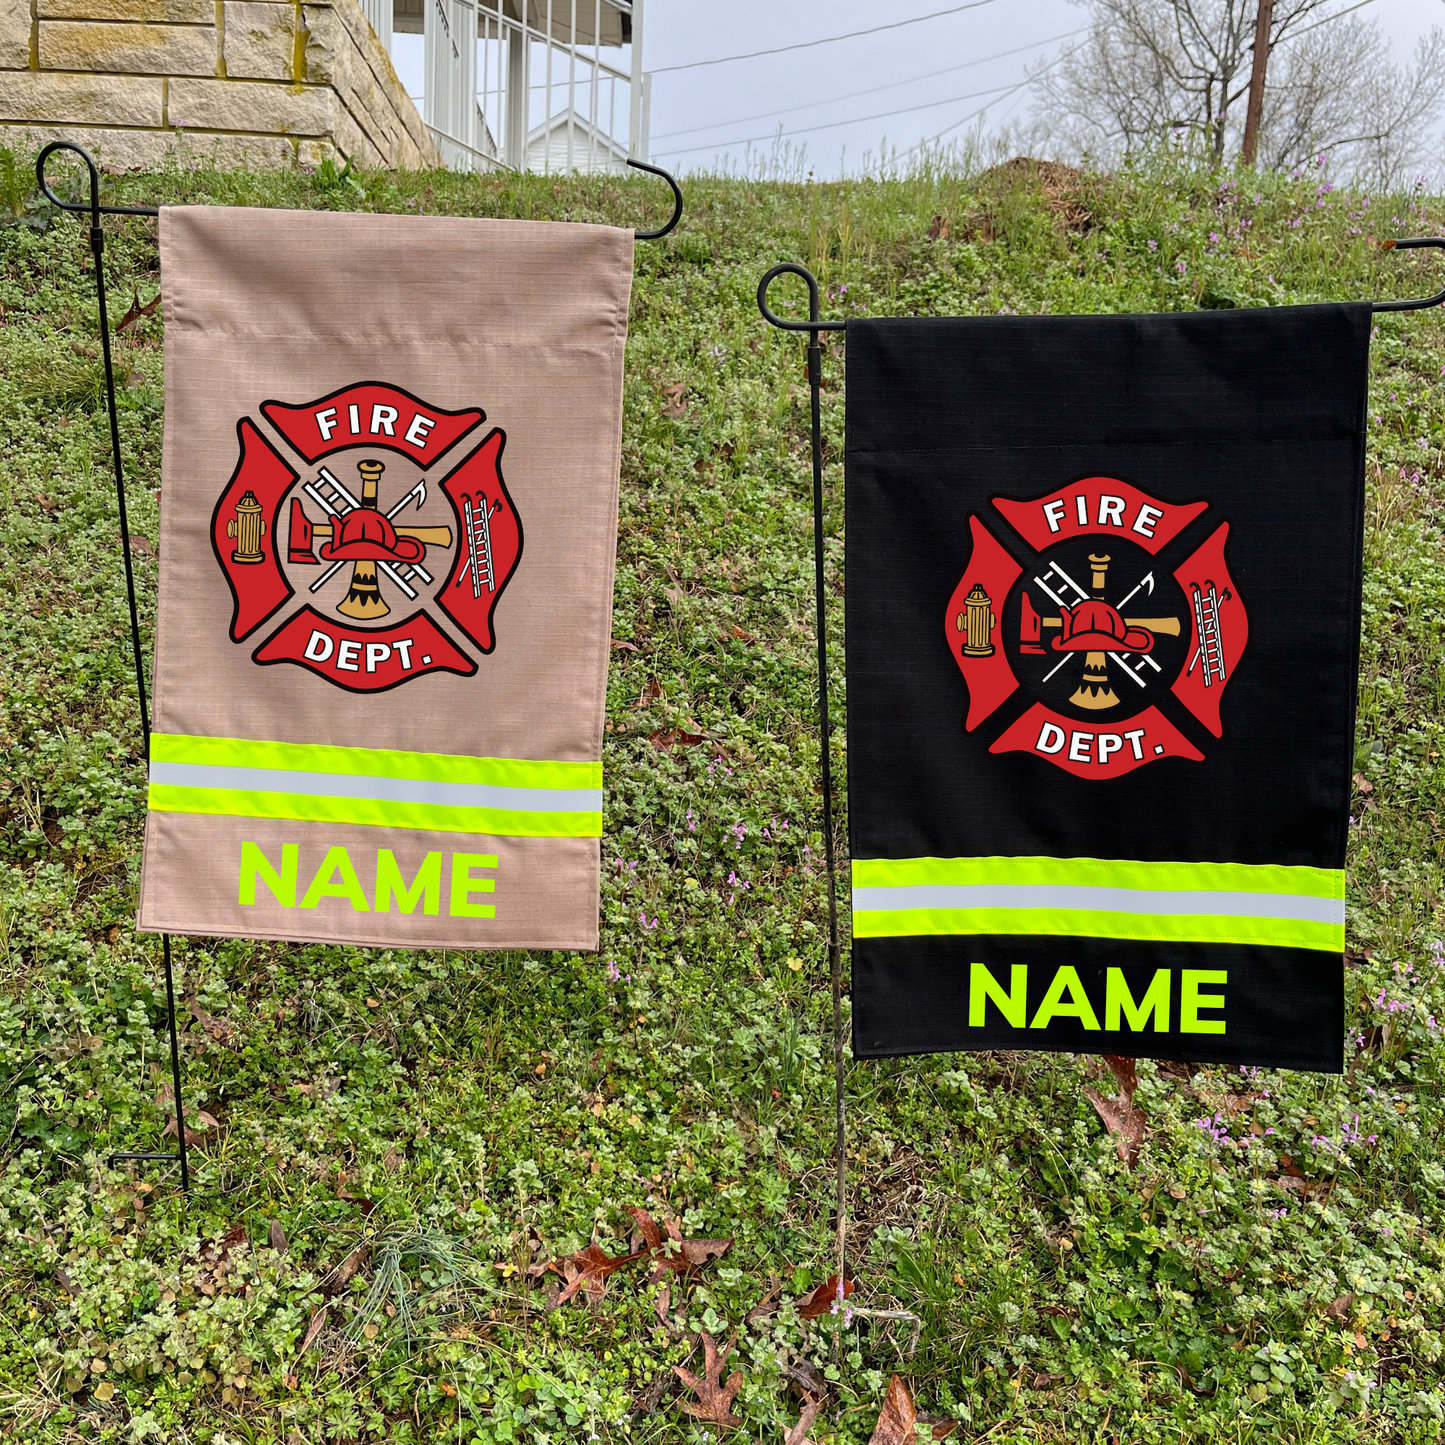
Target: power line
{"points": [[826, 40], [873, 89], [834, 124], [971, 116], [1027, 80], [1338, 15]]}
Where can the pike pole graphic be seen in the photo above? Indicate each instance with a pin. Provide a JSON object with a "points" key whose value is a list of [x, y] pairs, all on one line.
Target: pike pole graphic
{"points": [[369, 554], [1119, 671]]}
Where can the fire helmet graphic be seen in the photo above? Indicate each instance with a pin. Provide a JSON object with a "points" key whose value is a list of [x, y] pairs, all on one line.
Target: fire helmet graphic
{"points": [[369, 529], [1104, 638]]}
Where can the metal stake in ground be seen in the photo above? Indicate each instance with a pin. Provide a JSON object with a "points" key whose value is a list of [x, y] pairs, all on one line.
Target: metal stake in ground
{"points": [[97, 248], [835, 958]]}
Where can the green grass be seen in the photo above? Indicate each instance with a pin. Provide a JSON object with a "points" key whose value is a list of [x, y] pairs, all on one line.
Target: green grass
{"points": [[469, 1117]]}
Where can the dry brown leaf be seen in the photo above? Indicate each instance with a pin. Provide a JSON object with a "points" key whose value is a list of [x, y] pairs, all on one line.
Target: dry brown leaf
{"points": [[651, 1397], [217, 1029], [318, 1319], [898, 1417], [663, 1303], [768, 1304], [589, 1269], [1339, 1309], [1123, 1121], [1125, 1073], [798, 1435], [136, 311], [715, 1397], [820, 1301], [348, 1268], [1188, 1379], [193, 1139], [809, 1379], [666, 739], [681, 1256], [216, 1256], [277, 1237]]}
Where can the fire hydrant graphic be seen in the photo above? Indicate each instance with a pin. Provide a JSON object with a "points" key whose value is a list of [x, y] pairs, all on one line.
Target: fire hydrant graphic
{"points": [[248, 529], [977, 622]]}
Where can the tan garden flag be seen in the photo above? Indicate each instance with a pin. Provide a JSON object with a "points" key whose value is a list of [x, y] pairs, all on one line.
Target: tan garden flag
{"points": [[388, 525]]}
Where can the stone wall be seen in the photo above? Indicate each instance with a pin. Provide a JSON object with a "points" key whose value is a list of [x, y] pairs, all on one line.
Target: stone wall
{"points": [[238, 82]]}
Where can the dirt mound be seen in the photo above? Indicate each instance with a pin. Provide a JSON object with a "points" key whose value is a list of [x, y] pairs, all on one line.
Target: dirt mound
{"points": [[1069, 194]]}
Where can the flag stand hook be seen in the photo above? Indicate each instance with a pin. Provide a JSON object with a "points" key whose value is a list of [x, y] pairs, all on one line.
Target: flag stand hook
{"points": [[95, 210], [1425, 302], [835, 959]]}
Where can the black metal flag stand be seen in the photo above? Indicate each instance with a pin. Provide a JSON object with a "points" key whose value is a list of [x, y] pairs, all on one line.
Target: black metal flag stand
{"points": [[97, 248], [814, 326]]}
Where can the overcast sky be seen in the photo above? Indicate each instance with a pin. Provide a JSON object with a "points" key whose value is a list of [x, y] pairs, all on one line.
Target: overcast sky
{"points": [[750, 98], [839, 99]]}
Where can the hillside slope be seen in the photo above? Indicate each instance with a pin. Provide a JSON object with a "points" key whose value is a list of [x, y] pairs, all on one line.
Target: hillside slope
{"points": [[391, 1147]]}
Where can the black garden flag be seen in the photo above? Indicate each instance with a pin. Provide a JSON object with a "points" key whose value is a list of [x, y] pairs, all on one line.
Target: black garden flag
{"points": [[1102, 628]]}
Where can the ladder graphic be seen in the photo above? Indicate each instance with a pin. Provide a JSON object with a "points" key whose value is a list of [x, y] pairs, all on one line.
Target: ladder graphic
{"points": [[477, 528], [330, 495], [1211, 640]]}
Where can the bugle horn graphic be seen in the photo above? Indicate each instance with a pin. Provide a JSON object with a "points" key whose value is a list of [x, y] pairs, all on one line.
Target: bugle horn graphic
{"points": [[363, 598], [1094, 691]]}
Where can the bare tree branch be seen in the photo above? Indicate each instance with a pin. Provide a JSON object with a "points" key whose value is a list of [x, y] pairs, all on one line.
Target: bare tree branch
{"points": [[1151, 71]]}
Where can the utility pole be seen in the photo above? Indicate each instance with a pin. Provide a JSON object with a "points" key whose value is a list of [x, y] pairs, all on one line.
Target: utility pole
{"points": [[1262, 23]]}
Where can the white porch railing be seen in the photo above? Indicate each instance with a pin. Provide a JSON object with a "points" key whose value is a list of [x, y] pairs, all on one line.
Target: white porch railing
{"points": [[525, 84]]}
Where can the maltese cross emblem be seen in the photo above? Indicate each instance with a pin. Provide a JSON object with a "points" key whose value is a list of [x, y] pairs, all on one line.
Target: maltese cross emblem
{"points": [[1109, 620], [369, 534]]}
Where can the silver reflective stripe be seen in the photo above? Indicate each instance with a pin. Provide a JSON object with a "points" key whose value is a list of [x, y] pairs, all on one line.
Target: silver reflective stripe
{"points": [[384, 790], [1108, 900]]}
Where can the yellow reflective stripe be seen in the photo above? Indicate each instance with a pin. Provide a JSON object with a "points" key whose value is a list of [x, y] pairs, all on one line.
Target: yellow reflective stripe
{"points": [[1266, 904], [380, 813], [1093, 923], [1100, 873], [373, 762], [375, 787]]}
